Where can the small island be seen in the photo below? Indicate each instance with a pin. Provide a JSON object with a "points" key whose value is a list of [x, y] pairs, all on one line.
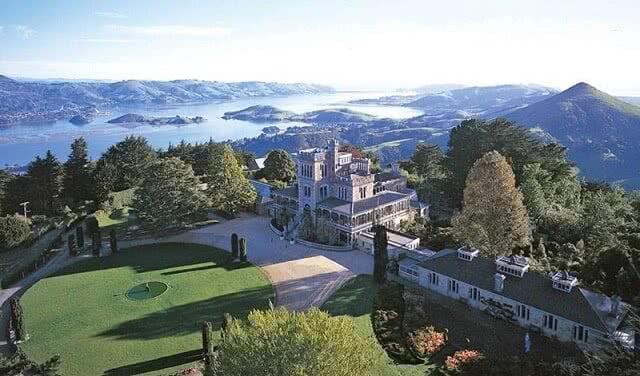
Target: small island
{"points": [[270, 114], [141, 119], [80, 120], [272, 129]]}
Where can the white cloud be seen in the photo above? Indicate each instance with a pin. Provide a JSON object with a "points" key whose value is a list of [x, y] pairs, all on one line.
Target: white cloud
{"points": [[111, 15], [1, 29], [24, 31], [105, 40], [174, 30]]}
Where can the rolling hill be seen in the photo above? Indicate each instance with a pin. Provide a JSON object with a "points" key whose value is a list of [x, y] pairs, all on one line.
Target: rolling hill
{"points": [[602, 132]]}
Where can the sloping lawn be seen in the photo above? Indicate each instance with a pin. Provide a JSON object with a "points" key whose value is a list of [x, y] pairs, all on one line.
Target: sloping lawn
{"points": [[355, 299], [83, 314]]}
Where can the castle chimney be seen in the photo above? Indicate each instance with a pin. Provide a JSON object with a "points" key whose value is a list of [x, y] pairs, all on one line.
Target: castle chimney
{"points": [[498, 280], [395, 168]]}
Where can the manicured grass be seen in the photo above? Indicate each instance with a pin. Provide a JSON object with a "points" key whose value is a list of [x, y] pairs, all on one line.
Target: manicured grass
{"points": [[355, 299], [17, 258], [83, 314], [118, 219]]}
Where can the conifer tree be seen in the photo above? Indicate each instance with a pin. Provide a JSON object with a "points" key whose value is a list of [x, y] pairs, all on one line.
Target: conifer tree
{"points": [[44, 184], [78, 179], [169, 193], [493, 218], [227, 187], [279, 166]]}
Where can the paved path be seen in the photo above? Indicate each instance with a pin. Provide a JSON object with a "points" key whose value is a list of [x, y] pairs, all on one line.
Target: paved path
{"points": [[303, 277]]}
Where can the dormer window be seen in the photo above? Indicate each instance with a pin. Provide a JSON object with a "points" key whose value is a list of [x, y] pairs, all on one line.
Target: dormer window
{"points": [[512, 265], [564, 281], [467, 253]]}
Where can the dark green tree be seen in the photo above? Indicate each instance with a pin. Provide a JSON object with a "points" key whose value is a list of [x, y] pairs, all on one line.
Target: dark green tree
{"points": [[122, 166], [227, 187], [5, 177], [170, 193], [380, 254], [279, 166], [427, 160], [113, 241], [234, 246], [472, 139], [243, 250], [78, 177], [44, 184]]}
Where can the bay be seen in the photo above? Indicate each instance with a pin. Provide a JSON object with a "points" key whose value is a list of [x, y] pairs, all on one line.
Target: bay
{"points": [[19, 144]]}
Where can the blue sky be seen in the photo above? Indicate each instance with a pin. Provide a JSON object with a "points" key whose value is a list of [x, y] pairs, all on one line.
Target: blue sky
{"points": [[347, 44]]}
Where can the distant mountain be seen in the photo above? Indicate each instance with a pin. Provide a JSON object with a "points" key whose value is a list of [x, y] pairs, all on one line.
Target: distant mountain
{"points": [[437, 88], [31, 100], [482, 100], [602, 132]]}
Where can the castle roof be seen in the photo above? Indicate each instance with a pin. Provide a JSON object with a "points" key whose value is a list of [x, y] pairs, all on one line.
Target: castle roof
{"points": [[361, 206]]}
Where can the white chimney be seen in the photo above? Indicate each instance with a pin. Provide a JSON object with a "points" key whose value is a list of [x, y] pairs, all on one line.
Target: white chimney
{"points": [[498, 280]]}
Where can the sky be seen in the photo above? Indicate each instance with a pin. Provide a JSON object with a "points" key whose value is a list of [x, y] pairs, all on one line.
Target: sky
{"points": [[347, 44]]}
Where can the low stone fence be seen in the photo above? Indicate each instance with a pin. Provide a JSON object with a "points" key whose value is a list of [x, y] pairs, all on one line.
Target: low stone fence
{"points": [[325, 247], [275, 230]]}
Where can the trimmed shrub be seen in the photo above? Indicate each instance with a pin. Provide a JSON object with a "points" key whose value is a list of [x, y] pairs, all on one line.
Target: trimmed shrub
{"points": [[71, 241], [96, 240], [80, 236], [14, 230], [17, 320], [234, 245], [92, 225], [243, 250], [227, 319], [207, 343], [113, 240]]}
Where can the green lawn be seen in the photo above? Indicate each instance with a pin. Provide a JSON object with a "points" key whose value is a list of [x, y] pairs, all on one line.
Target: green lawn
{"points": [[118, 219], [355, 299], [83, 314]]}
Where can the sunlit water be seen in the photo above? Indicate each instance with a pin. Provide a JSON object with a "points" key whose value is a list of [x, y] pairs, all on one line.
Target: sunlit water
{"points": [[19, 144]]}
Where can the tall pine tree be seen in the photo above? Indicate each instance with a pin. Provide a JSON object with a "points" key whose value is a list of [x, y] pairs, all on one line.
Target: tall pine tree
{"points": [[78, 180], [227, 187], [45, 184], [493, 218]]}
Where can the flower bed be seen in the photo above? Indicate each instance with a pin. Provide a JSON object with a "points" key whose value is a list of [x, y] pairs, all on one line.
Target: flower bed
{"points": [[462, 358], [426, 341]]}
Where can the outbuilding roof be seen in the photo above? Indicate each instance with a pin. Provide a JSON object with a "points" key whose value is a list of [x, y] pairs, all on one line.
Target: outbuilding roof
{"points": [[533, 289]]}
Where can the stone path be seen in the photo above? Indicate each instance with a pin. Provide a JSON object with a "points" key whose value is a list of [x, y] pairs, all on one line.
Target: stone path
{"points": [[303, 277]]}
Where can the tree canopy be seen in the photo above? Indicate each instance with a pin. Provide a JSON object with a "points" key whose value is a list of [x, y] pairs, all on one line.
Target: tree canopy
{"points": [[493, 217], [121, 166], [279, 166], [78, 178], [169, 193], [227, 187], [287, 343], [44, 184]]}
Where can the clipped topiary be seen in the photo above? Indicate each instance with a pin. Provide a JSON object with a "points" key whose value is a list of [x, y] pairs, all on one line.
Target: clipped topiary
{"points": [[113, 240], [17, 321], [96, 239], [80, 236], [73, 248], [234, 246], [243, 250], [92, 225], [207, 342]]}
